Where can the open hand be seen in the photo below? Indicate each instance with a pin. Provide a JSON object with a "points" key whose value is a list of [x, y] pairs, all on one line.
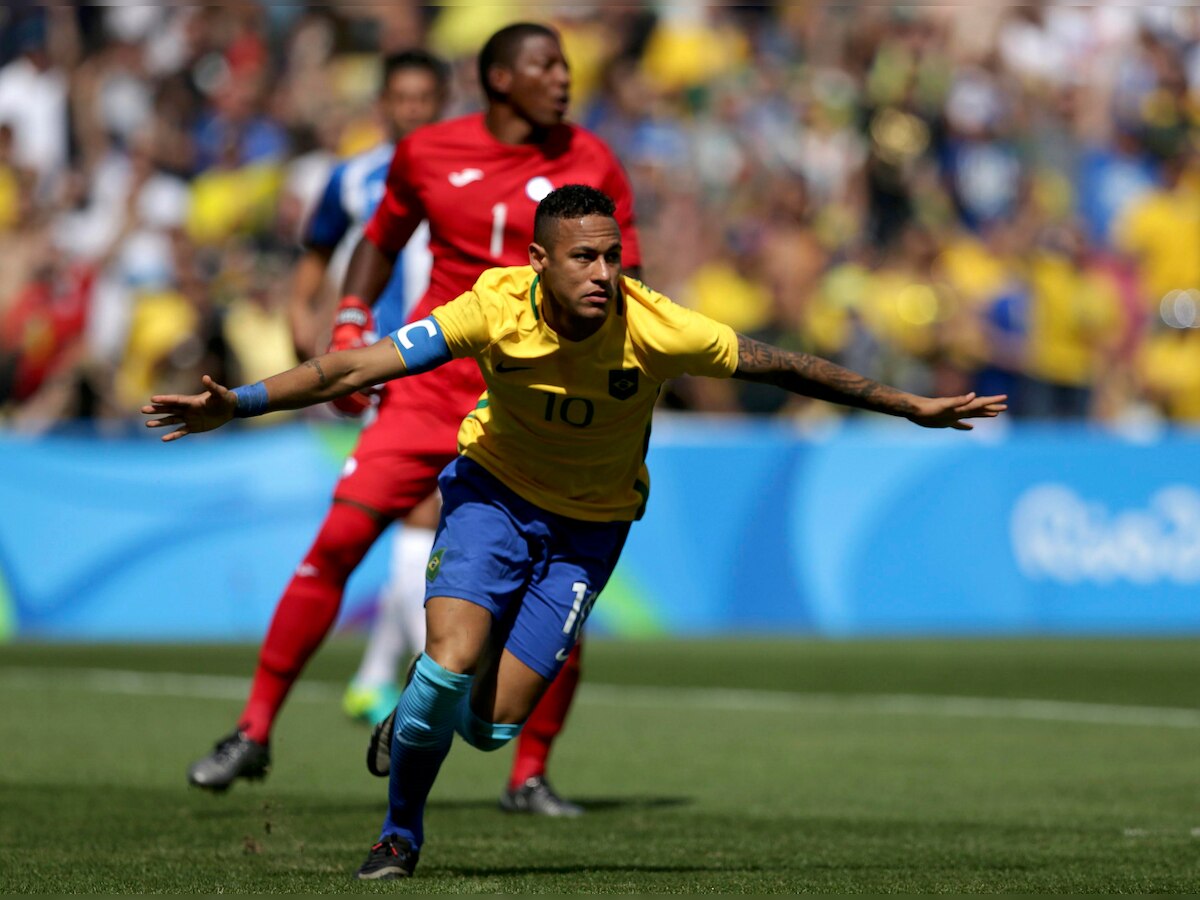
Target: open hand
{"points": [[192, 412], [950, 412]]}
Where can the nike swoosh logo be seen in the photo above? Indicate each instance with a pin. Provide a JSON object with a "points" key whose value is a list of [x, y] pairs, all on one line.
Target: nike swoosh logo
{"points": [[562, 655], [501, 367], [465, 177]]}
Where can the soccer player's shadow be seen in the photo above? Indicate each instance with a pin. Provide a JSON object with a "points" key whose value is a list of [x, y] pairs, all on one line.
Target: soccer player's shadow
{"points": [[589, 804], [307, 806], [500, 871], [611, 804]]}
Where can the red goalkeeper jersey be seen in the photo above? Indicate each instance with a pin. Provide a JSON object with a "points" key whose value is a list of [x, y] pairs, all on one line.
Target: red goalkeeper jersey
{"points": [[479, 197]]}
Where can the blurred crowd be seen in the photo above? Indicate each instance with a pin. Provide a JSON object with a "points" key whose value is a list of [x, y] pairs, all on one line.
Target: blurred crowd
{"points": [[947, 198]]}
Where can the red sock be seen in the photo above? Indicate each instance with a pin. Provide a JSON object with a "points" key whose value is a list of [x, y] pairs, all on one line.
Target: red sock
{"points": [[544, 723], [306, 612]]}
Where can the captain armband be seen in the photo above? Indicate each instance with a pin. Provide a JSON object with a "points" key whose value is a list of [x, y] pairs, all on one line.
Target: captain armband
{"points": [[422, 345]]}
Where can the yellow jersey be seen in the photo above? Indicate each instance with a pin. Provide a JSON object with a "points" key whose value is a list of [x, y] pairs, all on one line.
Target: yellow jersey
{"points": [[566, 424]]}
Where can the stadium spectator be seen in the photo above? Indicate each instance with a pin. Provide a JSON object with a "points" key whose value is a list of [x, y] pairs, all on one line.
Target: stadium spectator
{"points": [[957, 119], [34, 95], [15, 184], [1075, 321], [1160, 231], [41, 330]]}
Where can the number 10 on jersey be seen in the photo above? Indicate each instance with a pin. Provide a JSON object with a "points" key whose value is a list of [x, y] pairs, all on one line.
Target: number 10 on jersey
{"points": [[576, 411]]}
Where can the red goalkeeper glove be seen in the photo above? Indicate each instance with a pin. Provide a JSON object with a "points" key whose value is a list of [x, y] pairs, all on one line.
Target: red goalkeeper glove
{"points": [[353, 327]]}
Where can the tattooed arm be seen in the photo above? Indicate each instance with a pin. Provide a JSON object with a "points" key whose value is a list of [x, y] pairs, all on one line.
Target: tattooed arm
{"points": [[334, 375], [319, 379], [812, 376]]}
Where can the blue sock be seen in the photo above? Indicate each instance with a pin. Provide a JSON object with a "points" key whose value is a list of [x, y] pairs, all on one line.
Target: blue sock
{"points": [[425, 719], [480, 733]]}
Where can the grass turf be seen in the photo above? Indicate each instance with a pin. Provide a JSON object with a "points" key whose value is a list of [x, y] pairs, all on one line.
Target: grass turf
{"points": [[705, 766]]}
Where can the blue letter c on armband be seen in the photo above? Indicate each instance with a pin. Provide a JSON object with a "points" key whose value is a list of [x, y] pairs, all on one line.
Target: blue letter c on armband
{"points": [[421, 345]]}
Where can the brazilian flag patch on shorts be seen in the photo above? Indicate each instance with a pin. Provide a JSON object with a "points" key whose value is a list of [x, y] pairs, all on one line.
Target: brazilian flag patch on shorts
{"points": [[435, 565]]}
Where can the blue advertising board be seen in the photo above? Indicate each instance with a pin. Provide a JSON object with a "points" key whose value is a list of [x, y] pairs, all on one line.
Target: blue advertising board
{"points": [[129, 539], [751, 528], [885, 531]]}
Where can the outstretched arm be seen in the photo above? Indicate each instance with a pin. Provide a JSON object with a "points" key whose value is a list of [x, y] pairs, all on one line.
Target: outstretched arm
{"points": [[812, 376], [315, 381]]}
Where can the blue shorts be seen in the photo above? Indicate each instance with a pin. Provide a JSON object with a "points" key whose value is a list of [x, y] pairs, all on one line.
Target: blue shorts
{"points": [[538, 573]]}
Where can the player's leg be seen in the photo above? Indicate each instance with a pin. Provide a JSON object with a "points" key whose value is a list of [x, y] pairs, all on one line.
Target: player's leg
{"points": [[419, 430], [545, 634], [379, 482], [399, 628], [304, 615], [480, 563], [428, 710], [436, 703], [528, 789]]}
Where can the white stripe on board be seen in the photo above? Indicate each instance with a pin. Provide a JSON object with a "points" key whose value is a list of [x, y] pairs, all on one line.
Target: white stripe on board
{"points": [[157, 684], [734, 700], [217, 687]]}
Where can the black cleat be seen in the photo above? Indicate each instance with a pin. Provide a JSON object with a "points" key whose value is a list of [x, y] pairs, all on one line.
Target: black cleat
{"points": [[379, 750], [536, 797], [393, 857], [235, 756]]}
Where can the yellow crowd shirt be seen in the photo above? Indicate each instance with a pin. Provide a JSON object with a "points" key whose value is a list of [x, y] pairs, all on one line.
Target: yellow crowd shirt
{"points": [[565, 424]]}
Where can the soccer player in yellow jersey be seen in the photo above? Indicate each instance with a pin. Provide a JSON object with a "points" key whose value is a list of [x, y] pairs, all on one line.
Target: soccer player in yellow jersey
{"points": [[550, 475]]}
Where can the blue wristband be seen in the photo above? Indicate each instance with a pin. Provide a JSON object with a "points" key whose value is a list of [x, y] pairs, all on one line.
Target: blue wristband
{"points": [[251, 400]]}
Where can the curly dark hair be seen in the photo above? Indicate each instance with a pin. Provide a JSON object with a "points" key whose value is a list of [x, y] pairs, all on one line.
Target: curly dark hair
{"points": [[571, 201]]}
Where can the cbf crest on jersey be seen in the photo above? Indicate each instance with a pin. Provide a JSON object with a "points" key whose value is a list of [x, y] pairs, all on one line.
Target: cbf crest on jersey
{"points": [[622, 383]]}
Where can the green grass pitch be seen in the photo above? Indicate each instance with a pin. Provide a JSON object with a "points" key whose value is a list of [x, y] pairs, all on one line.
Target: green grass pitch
{"points": [[705, 766]]}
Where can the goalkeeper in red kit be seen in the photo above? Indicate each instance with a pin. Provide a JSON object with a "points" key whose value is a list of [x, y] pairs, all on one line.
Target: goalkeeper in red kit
{"points": [[477, 181]]}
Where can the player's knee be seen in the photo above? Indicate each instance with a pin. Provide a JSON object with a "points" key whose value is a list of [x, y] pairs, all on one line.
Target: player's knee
{"points": [[282, 663], [344, 539], [428, 709], [336, 555], [452, 658], [484, 735]]}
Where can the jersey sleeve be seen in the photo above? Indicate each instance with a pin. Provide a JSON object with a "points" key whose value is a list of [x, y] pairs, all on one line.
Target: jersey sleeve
{"points": [[400, 211], [472, 322], [682, 341], [464, 325], [330, 221]]}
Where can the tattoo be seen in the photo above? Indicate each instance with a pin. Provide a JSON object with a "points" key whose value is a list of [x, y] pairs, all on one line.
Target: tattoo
{"points": [[812, 376], [315, 364]]}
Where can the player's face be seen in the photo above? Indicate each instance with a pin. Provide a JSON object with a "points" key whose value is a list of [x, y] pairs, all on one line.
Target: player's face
{"points": [[540, 86], [411, 98], [580, 271]]}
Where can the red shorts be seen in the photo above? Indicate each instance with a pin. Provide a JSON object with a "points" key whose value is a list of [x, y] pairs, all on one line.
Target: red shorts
{"points": [[398, 457]]}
